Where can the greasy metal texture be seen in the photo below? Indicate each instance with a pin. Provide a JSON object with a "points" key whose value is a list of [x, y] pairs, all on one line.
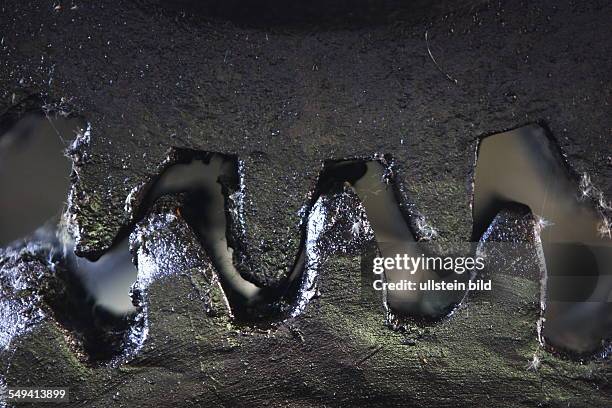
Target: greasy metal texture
{"points": [[186, 350], [283, 97]]}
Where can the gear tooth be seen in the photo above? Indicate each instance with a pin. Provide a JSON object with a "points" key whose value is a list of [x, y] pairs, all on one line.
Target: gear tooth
{"points": [[268, 213], [103, 204], [418, 189], [168, 255]]}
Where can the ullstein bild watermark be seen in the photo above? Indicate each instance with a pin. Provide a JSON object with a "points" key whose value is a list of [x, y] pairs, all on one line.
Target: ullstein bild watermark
{"points": [[420, 267]]}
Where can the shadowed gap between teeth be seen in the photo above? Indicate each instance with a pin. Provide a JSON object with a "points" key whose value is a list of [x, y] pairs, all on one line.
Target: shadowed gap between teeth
{"points": [[208, 181], [370, 181], [88, 299], [525, 167], [210, 178]]}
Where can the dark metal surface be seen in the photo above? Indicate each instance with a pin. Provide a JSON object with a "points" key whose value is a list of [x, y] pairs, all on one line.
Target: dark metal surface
{"points": [[417, 83]]}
